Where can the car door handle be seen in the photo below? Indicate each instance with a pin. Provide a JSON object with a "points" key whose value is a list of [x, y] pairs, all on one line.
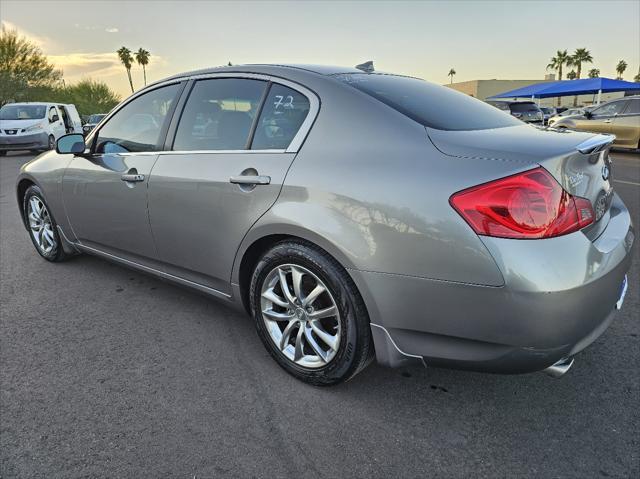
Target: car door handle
{"points": [[250, 180], [132, 178]]}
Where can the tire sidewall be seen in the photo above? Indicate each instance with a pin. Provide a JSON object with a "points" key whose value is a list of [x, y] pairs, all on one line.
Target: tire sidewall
{"points": [[51, 145], [55, 252], [343, 363]]}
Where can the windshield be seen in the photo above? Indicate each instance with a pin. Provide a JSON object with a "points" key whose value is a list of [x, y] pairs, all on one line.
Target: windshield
{"points": [[523, 107], [22, 112], [431, 105], [95, 118], [547, 111]]}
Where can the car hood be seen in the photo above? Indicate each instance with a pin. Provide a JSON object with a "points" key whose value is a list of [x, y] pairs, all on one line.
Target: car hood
{"points": [[18, 124]]}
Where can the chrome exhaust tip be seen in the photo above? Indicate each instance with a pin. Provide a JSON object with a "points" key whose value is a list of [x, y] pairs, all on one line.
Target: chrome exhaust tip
{"points": [[560, 368]]}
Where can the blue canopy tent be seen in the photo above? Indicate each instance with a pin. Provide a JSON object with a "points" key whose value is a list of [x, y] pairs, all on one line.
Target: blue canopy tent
{"points": [[570, 88]]}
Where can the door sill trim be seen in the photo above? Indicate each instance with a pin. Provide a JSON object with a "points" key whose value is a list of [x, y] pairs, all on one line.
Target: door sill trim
{"points": [[154, 271]]}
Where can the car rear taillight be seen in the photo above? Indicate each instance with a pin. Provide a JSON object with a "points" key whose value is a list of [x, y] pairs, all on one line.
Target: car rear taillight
{"points": [[528, 205]]}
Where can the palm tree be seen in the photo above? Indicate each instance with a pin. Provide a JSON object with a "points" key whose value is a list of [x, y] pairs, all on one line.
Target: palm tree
{"points": [[450, 74], [620, 68], [562, 58], [125, 57], [142, 58], [594, 73], [580, 56], [637, 77], [572, 75], [557, 62]]}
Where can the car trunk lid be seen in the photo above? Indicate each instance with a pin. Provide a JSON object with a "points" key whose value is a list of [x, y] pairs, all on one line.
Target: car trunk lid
{"points": [[578, 161]]}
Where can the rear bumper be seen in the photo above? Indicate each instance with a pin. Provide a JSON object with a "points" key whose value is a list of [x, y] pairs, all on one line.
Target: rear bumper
{"points": [[24, 142], [559, 296]]}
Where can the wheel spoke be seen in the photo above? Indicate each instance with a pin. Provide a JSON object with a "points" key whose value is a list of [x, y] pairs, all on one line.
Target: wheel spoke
{"points": [[296, 277], [35, 207], [299, 352], [313, 295], [324, 313], [276, 316], [36, 235], [328, 339], [271, 295], [286, 334], [314, 345], [285, 287]]}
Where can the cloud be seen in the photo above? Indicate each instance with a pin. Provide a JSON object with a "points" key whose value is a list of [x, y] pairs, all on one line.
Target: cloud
{"points": [[111, 30], [95, 65], [38, 40]]}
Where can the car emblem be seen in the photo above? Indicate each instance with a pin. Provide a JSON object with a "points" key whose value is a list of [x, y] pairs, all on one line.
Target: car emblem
{"points": [[605, 172]]}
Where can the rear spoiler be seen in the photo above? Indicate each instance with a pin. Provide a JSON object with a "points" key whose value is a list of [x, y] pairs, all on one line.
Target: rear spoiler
{"points": [[595, 143]]}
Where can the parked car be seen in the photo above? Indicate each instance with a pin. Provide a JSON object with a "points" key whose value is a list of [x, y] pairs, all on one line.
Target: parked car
{"points": [[36, 126], [353, 215], [547, 112], [91, 122], [618, 117], [526, 111]]}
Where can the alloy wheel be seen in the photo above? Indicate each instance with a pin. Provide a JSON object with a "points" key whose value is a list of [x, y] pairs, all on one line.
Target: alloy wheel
{"points": [[301, 316], [40, 225]]}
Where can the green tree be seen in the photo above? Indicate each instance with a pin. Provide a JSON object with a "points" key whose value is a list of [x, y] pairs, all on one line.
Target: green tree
{"points": [[89, 96], [580, 56], [24, 69], [142, 58], [637, 77], [556, 63], [451, 73], [620, 68], [572, 75], [125, 57], [594, 73]]}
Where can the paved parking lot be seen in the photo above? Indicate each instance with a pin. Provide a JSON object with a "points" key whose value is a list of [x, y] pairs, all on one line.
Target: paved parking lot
{"points": [[106, 372]]}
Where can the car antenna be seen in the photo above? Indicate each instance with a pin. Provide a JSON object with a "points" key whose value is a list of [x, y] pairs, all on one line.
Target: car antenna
{"points": [[366, 67]]}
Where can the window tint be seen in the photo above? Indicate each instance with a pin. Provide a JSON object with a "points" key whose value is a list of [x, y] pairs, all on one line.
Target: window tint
{"points": [[283, 112], [609, 109], [634, 107], [523, 107], [136, 127], [22, 112], [432, 105], [219, 114]]}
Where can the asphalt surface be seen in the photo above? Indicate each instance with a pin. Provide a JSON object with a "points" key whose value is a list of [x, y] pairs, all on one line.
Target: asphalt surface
{"points": [[106, 372]]}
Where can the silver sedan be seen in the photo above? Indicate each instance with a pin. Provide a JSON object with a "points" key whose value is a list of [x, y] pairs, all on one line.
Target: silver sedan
{"points": [[353, 215]]}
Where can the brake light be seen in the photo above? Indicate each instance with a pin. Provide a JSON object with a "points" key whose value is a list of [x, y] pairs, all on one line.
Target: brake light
{"points": [[528, 205]]}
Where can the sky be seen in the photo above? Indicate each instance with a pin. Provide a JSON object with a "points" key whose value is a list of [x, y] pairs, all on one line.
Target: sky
{"points": [[479, 39]]}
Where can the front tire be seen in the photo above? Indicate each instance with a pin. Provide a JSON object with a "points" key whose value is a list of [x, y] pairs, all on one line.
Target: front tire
{"points": [[309, 314], [42, 227]]}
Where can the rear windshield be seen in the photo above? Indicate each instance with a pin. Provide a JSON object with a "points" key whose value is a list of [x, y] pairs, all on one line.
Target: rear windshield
{"points": [[523, 107], [429, 104], [22, 112]]}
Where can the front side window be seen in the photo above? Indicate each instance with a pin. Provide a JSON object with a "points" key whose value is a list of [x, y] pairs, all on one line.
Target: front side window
{"points": [[52, 114], [136, 127], [523, 107], [219, 114], [609, 109], [431, 105], [282, 115]]}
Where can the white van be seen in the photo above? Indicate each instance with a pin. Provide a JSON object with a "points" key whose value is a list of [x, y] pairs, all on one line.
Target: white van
{"points": [[36, 126]]}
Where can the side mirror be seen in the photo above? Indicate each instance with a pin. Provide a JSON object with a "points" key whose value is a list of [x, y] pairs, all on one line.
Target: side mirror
{"points": [[73, 143], [588, 115], [54, 119]]}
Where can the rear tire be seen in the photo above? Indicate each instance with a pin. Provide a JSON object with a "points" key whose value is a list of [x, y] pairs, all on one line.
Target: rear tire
{"points": [[52, 143], [43, 229], [323, 351]]}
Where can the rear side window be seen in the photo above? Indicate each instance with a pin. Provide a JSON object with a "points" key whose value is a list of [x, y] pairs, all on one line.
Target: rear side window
{"points": [[283, 112], [523, 107], [219, 114], [634, 107], [429, 104]]}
